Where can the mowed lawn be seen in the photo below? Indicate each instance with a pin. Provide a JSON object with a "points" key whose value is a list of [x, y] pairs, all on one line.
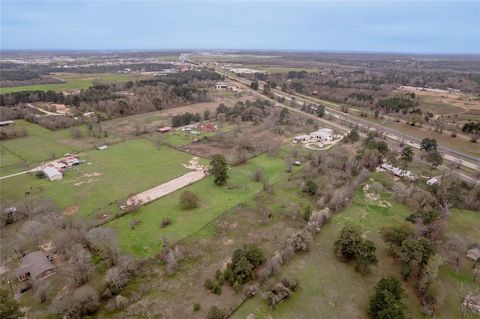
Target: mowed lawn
{"points": [[327, 287], [105, 178], [146, 239], [71, 83]]}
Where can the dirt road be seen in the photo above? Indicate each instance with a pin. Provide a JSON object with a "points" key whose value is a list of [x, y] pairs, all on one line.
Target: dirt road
{"points": [[166, 188]]}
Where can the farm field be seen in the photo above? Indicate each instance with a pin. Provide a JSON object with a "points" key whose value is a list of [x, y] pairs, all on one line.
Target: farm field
{"points": [[331, 289], [113, 175], [73, 82], [146, 239]]}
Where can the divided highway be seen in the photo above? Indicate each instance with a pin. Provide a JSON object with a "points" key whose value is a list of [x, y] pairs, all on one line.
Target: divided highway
{"points": [[449, 154], [466, 160]]}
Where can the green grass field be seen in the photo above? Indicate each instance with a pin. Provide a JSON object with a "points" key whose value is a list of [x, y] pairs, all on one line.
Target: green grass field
{"points": [[179, 138], [146, 239], [39, 145], [113, 174], [72, 83]]}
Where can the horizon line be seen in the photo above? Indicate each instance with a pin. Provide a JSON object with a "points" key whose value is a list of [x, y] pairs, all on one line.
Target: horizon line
{"points": [[246, 50]]}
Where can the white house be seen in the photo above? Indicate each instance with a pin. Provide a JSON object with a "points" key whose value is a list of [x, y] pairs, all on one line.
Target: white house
{"points": [[323, 134], [432, 181], [52, 173], [221, 86], [301, 138]]}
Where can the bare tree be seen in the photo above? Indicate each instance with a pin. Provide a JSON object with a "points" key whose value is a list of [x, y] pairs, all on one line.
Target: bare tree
{"points": [[105, 241], [116, 278], [454, 248], [79, 267]]}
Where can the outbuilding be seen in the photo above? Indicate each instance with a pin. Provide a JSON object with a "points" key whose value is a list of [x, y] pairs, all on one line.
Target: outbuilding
{"points": [[6, 123], [301, 138], [36, 265], [221, 86], [164, 129], [474, 253], [52, 173]]}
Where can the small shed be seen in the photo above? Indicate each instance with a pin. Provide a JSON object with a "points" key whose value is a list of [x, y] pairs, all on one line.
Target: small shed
{"points": [[432, 181], [6, 123], [35, 265], [474, 253], [301, 138], [52, 173], [221, 86], [164, 129]]}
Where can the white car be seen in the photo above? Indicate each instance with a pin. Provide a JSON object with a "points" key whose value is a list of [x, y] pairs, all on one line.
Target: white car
{"points": [[102, 147]]}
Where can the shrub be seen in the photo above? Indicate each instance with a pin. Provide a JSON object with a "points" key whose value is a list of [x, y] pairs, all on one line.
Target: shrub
{"points": [[39, 174], [244, 262], [196, 307], [165, 222], [310, 187], [215, 313], [189, 200], [257, 175], [280, 291]]}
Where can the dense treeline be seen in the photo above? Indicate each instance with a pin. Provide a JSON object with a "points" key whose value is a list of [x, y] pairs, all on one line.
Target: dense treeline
{"points": [[471, 128], [255, 111], [185, 119], [18, 75], [144, 67], [113, 100], [397, 104]]}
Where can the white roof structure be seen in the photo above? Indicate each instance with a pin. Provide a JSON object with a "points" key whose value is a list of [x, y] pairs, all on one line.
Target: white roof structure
{"points": [[6, 123], [432, 181], [323, 133], [398, 171], [52, 173], [302, 137], [473, 253]]}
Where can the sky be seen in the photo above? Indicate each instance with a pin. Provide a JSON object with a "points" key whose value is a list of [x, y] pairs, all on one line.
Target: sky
{"points": [[451, 27]]}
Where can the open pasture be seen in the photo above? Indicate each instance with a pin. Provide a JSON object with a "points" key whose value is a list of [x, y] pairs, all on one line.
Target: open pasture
{"points": [[41, 145], [106, 178], [72, 82], [146, 239]]}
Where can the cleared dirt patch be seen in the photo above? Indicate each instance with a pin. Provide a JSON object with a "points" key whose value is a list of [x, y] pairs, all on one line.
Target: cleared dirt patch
{"points": [[70, 210]]}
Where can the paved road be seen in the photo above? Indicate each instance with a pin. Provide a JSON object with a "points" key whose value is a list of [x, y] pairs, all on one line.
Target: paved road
{"points": [[464, 159]]}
